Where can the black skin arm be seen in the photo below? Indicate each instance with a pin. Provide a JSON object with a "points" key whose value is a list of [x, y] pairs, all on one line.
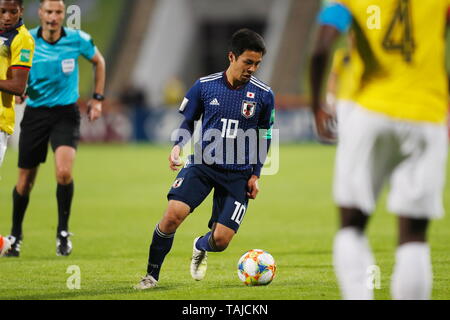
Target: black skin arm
{"points": [[17, 83], [322, 53]]}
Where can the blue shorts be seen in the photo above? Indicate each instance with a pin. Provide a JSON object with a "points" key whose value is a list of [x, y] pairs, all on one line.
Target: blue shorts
{"points": [[196, 181]]}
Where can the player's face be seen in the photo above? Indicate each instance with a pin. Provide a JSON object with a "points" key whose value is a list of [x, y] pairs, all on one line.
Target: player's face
{"points": [[10, 14], [52, 14], [246, 65]]}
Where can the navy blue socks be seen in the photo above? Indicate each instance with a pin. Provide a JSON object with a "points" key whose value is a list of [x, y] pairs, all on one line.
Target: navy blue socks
{"points": [[206, 243], [160, 247]]}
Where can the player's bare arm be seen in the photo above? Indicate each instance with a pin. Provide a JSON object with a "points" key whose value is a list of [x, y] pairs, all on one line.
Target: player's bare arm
{"points": [[95, 104], [175, 162], [16, 83], [253, 187], [319, 63]]}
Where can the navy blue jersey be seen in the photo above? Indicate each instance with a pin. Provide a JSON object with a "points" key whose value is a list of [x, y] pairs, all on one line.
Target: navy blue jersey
{"points": [[231, 120]]}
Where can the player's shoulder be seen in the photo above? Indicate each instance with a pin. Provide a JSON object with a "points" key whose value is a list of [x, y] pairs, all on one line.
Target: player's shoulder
{"points": [[261, 90], [212, 77], [260, 85], [24, 36], [24, 32], [77, 34]]}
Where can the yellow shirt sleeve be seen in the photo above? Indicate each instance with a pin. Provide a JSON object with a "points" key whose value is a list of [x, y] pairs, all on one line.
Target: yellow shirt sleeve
{"points": [[22, 51]]}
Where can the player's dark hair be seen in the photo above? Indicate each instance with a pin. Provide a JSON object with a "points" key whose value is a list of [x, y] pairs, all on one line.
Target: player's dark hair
{"points": [[246, 39], [19, 2]]}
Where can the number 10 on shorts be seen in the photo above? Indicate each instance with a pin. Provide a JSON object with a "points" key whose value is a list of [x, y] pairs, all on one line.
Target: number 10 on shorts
{"points": [[239, 213]]}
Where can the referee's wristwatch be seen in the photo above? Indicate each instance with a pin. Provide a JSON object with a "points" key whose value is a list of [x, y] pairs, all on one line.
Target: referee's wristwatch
{"points": [[98, 97]]}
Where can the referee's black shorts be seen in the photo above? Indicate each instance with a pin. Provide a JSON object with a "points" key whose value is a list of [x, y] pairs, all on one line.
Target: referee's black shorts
{"points": [[58, 125]]}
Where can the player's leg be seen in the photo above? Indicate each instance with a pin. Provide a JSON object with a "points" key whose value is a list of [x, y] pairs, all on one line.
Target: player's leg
{"points": [[64, 139], [21, 199], [417, 196], [413, 277], [175, 215], [223, 222], [229, 209], [361, 168], [352, 255], [64, 163], [162, 241], [33, 146], [189, 190], [230, 205], [218, 239], [5, 244]]}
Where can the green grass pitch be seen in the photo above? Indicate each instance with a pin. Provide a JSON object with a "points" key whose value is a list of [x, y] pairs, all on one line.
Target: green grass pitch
{"points": [[121, 195]]}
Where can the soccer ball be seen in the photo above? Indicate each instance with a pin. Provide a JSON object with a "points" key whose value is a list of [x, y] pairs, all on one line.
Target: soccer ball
{"points": [[256, 268]]}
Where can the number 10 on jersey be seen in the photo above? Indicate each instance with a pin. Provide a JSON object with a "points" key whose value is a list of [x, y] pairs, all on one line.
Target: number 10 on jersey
{"points": [[230, 128]]}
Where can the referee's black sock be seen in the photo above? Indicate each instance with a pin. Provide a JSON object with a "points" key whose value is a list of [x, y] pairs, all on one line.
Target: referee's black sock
{"points": [[64, 195], [20, 204], [160, 247]]}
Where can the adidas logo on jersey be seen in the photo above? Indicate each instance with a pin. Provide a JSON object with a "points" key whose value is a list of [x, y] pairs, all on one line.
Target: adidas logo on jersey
{"points": [[215, 102]]}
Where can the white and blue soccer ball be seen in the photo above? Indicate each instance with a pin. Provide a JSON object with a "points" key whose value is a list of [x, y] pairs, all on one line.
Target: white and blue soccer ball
{"points": [[257, 268]]}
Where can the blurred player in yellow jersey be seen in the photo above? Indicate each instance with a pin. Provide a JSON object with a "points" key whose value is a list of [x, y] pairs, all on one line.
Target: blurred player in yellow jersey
{"points": [[392, 129], [341, 86], [16, 55]]}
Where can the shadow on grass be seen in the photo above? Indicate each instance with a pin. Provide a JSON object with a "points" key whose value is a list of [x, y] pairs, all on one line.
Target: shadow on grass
{"points": [[123, 293]]}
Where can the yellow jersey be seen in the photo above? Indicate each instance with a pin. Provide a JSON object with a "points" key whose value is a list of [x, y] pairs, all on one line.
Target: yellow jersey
{"points": [[401, 45], [16, 51], [342, 73]]}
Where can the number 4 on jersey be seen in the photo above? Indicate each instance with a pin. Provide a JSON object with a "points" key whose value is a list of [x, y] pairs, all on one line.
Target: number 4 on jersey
{"points": [[402, 17]]}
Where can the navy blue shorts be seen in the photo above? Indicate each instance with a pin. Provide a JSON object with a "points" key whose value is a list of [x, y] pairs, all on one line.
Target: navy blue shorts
{"points": [[196, 181]]}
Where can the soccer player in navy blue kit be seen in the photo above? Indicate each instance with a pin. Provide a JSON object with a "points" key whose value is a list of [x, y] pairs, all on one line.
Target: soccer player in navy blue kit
{"points": [[229, 103], [52, 116]]}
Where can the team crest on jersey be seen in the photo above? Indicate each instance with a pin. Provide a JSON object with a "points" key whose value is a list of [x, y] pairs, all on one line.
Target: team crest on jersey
{"points": [[177, 183], [248, 109]]}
